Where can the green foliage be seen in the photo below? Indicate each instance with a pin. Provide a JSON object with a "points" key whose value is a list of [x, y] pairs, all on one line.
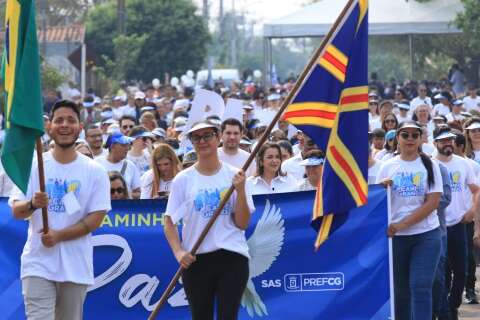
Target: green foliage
{"points": [[166, 36], [51, 77]]}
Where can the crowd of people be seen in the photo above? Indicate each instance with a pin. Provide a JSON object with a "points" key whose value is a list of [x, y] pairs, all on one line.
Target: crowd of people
{"points": [[424, 144]]}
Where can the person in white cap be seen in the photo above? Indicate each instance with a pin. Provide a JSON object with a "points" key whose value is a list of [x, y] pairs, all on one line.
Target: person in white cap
{"points": [[443, 106], [458, 212], [416, 187], [313, 164], [195, 193]]}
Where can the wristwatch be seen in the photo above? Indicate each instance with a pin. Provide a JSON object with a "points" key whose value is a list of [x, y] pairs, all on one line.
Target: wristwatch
{"points": [[30, 206]]}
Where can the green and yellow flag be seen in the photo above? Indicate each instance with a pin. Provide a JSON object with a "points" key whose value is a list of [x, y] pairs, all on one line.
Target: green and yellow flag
{"points": [[23, 104]]}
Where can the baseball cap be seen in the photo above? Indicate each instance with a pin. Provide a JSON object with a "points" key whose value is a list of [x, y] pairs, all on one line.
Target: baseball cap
{"points": [[139, 95], [202, 125], [312, 161], [119, 138]]}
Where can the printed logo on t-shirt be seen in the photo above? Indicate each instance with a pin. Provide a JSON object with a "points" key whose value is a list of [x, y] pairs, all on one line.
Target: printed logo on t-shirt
{"points": [[207, 200], [57, 189], [409, 184], [455, 184]]}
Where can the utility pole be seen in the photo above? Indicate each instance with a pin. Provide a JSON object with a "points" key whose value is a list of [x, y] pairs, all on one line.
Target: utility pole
{"points": [[121, 17], [205, 11], [233, 41]]}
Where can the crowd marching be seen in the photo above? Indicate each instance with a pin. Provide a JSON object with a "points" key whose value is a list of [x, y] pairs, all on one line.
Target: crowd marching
{"points": [[424, 145]]}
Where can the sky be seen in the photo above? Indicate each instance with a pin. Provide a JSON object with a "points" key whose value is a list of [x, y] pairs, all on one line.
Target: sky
{"points": [[259, 11]]}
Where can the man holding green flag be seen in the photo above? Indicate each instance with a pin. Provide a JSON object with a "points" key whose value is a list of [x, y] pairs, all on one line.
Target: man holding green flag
{"points": [[23, 105]]}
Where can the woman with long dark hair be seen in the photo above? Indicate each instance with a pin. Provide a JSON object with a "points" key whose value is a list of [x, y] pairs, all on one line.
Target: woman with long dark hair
{"points": [[416, 185], [269, 177]]}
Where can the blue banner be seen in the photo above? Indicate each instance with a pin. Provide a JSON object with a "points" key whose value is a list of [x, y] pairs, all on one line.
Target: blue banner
{"points": [[348, 278]]}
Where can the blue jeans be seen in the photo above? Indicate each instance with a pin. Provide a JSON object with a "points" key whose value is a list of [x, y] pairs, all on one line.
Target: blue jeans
{"points": [[456, 267], [440, 301], [415, 259]]}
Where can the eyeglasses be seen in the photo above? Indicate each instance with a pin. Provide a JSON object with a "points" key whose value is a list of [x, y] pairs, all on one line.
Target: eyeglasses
{"points": [[127, 127], [406, 135], [475, 130], [117, 190], [206, 137], [390, 121]]}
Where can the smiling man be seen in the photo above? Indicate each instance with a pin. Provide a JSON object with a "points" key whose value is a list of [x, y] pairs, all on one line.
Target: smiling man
{"points": [[230, 152], [57, 266]]}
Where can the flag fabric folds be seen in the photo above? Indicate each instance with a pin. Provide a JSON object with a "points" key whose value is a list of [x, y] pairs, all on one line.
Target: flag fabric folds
{"points": [[23, 100], [331, 107]]}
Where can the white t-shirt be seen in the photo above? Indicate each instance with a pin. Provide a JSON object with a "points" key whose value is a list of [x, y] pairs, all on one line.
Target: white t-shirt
{"points": [[373, 171], [147, 185], [409, 189], [131, 176], [88, 183], [441, 109], [471, 103], [238, 160], [194, 198], [293, 168], [375, 124], [461, 175], [279, 184], [476, 170], [454, 117], [6, 184], [141, 162], [305, 185], [103, 154]]}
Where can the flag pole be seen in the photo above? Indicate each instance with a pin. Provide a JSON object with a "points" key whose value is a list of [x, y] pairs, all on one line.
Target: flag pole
{"points": [[41, 180], [306, 71]]}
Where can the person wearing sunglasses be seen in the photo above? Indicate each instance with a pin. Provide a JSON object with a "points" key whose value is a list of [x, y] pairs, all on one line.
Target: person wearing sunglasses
{"points": [[141, 148], [126, 124], [416, 187], [389, 122], [463, 205], [118, 187], [217, 275]]}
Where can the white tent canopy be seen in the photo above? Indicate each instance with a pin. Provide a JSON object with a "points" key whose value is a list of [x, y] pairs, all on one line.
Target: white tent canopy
{"points": [[386, 17]]}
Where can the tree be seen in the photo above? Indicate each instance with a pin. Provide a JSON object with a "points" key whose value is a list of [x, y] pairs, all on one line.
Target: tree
{"points": [[175, 38]]}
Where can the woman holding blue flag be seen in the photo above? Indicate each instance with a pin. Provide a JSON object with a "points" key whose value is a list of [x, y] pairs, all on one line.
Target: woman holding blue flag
{"points": [[416, 185]]}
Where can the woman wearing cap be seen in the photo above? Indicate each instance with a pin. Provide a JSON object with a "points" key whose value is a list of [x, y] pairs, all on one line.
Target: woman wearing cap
{"points": [[416, 189], [313, 163], [389, 148], [269, 177], [164, 167], [219, 270], [472, 138]]}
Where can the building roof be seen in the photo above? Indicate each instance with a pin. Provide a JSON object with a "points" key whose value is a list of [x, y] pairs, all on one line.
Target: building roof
{"points": [[62, 34], [384, 18]]}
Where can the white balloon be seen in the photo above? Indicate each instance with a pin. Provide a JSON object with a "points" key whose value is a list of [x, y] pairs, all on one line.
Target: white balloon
{"points": [[257, 73], [189, 82], [174, 81], [156, 83], [183, 78], [190, 74]]}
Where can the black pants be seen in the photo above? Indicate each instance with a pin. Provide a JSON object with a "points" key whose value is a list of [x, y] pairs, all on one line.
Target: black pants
{"points": [[471, 264], [220, 274], [456, 268]]}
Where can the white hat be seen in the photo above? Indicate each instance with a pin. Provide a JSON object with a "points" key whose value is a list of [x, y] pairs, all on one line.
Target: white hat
{"points": [[313, 161], [444, 135], [475, 125], [181, 104], [139, 95], [202, 125]]}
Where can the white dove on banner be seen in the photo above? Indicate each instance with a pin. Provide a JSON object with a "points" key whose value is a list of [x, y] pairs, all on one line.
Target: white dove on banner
{"points": [[264, 246]]}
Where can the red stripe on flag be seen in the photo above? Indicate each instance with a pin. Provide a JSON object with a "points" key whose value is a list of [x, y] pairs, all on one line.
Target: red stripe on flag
{"points": [[354, 98], [333, 60], [311, 113], [349, 172]]}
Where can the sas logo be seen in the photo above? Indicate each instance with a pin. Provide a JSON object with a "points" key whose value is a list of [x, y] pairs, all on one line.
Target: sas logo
{"points": [[297, 282]]}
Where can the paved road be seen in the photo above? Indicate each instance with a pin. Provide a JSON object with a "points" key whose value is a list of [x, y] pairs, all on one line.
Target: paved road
{"points": [[471, 311]]}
